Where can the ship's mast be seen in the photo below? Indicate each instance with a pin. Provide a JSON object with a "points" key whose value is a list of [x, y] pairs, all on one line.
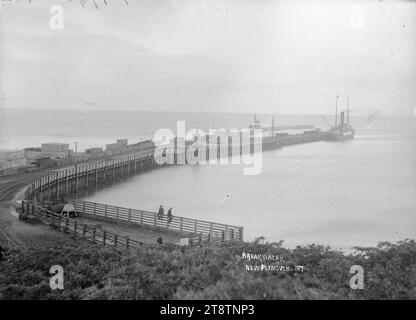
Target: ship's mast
{"points": [[348, 110], [336, 111]]}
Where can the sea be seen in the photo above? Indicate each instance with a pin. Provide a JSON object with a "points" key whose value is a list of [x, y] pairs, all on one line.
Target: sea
{"points": [[341, 194]]}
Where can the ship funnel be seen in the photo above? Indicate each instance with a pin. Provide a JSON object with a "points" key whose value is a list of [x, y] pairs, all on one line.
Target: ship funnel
{"points": [[342, 119]]}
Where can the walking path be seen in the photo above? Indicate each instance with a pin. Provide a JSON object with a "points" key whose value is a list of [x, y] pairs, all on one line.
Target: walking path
{"points": [[15, 233]]}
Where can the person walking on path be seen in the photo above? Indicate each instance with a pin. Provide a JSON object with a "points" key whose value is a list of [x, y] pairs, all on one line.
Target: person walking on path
{"points": [[169, 215], [160, 213]]}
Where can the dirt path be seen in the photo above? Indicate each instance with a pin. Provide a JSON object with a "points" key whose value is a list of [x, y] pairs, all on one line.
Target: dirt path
{"points": [[14, 232], [137, 233]]}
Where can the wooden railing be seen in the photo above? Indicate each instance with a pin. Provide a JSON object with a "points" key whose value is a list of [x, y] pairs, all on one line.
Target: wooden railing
{"points": [[130, 163], [147, 218], [59, 180], [94, 234], [77, 229]]}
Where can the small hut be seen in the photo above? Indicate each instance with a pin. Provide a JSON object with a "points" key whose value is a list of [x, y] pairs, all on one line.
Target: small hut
{"points": [[69, 211]]}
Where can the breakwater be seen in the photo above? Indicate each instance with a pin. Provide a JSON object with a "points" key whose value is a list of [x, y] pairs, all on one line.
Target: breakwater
{"points": [[299, 138], [68, 185], [76, 181], [73, 183]]}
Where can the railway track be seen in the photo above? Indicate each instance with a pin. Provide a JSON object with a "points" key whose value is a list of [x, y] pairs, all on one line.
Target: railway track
{"points": [[11, 188], [6, 191], [9, 241]]}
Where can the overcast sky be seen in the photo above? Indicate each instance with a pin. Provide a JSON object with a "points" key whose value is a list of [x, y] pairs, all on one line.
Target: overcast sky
{"points": [[208, 55]]}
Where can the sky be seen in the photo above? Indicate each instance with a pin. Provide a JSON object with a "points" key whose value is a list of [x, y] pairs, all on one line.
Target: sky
{"points": [[211, 56]]}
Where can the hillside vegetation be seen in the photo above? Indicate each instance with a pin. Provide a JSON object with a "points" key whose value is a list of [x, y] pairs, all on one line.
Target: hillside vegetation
{"points": [[208, 272]]}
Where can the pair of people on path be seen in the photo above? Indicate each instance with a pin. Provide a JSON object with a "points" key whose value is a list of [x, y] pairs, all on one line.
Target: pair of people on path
{"points": [[162, 212]]}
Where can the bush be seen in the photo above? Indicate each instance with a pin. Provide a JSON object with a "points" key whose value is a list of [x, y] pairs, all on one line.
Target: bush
{"points": [[208, 272]]}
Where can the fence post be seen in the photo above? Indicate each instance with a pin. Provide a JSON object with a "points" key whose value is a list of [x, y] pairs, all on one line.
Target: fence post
{"points": [[115, 240], [129, 218], [66, 183], [83, 206], [155, 222], [105, 210], [117, 212], [96, 176], [75, 227], [33, 209], [23, 207], [211, 228], [94, 208], [57, 184], [76, 182], [181, 225], [196, 226], [84, 231], [141, 217], [86, 178], [104, 237], [93, 234], [127, 243]]}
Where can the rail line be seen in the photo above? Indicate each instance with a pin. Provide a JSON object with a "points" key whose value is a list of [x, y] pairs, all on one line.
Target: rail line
{"points": [[4, 193], [9, 241]]}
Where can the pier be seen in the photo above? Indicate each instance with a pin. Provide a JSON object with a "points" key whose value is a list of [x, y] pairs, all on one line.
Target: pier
{"points": [[63, 185], [69, 185]]}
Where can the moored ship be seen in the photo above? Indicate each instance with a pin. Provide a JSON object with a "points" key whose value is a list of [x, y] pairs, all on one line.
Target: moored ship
{"points": [[342, 130], [341, 134]]}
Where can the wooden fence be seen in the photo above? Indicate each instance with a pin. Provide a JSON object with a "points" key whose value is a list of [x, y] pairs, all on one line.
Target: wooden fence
{"points": [[75, 228], [88, 173], [94, 234], [204, 231], [149, 219]]}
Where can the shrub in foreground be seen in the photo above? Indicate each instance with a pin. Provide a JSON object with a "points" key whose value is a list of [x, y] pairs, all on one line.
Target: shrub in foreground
{"points": [[208, 272]]}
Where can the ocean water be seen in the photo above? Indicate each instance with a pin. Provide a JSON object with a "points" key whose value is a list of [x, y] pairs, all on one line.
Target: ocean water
{"points": [[342, 194]]}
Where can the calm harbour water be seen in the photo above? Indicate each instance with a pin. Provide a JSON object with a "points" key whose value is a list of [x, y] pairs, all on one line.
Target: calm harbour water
{"points": [[341, 194]]}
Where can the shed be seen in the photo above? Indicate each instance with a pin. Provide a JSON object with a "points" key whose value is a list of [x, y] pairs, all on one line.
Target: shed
{"points": [[69, 211]]}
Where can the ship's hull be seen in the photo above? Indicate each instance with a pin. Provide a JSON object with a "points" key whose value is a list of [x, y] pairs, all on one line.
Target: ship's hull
{"points": [[340, 136]]}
